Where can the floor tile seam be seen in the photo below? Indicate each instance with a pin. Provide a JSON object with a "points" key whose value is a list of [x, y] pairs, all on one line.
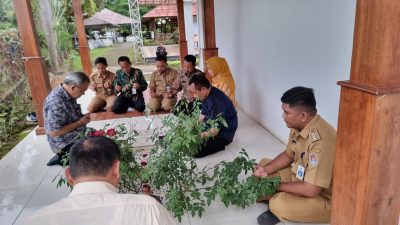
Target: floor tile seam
{"points": [[2, 188], [31, 196]]}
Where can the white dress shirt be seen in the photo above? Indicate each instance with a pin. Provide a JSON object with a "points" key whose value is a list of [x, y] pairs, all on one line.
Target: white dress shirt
{"points": [[98, 203]]}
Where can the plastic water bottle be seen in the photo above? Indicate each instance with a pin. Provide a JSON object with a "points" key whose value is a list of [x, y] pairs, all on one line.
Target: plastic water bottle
{"points": [[147, 113]]}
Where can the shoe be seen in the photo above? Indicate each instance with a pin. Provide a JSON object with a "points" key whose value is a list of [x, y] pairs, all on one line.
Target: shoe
{"points": [[31, 117], [56, 160], [267, 218], [264, 201]]}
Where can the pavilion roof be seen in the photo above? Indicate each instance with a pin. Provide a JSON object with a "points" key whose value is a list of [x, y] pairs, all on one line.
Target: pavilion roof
{"points": [[166, 11], [107, 17], [157, 2]]}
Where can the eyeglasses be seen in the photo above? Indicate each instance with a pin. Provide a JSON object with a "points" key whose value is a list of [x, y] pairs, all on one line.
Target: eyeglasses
{"points": [[81, 90]]}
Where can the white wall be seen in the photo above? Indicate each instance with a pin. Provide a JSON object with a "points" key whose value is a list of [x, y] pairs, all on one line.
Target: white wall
{"points": [[273, 45]]}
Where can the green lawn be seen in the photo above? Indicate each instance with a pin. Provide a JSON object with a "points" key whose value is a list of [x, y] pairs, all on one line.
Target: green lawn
{"points": [[111, 53], [94, 53]]}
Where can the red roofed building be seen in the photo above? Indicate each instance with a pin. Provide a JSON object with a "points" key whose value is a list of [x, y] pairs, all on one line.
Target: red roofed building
{"points": [[157, 2], [162, 20]]}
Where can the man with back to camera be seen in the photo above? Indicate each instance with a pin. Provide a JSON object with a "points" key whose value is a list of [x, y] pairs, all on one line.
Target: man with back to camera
{"points": [[63, 118], [94, 174], [305, 192]]}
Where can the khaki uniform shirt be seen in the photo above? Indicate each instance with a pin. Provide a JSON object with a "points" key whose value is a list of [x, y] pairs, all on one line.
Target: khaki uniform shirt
{"points": [[314, 149], [183, 81], [100, 80], [160, 81]]}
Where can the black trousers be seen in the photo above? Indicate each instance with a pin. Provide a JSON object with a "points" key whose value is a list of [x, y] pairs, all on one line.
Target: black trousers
{"points": [[122, 104], [211, 146]]}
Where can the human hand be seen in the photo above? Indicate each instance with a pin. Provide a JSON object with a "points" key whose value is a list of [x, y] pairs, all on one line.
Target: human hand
{"points": [[92, 86], [260, 171], [118, 88], [107, 85], [153, 94], [136, 85], [84, 120], [201, 117], [175, 85], [204, 134], [168, 95]]}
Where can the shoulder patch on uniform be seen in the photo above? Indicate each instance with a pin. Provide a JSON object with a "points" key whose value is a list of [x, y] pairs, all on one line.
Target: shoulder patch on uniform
{"points": [[314, 135]]}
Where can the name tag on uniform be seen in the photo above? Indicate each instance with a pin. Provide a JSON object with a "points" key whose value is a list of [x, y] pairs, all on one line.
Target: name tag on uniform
{"points": [[134, 91], [300, 172]]}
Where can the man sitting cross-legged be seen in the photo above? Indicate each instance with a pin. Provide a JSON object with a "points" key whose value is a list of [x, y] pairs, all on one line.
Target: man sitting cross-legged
{"points": [[305, 167], [102, 82], [129, 86], [94, 173], [162, 94]]}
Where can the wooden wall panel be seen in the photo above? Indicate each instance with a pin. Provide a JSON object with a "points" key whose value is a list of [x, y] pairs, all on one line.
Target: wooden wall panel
{"points": [[376, 49], [352, 141], [366, 187]]}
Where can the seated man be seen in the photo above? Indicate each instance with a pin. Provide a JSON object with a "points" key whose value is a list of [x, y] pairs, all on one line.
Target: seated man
{"points": [[214, 102], [102, 82], [182, 83], [63, 118], [162, 93], [161, 50], [305, 167], [94, 174], [129, 87]]}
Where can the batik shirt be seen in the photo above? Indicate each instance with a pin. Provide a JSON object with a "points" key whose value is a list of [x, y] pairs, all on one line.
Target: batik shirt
{"points": [[60, 109], [127, 81], [183, 79]]}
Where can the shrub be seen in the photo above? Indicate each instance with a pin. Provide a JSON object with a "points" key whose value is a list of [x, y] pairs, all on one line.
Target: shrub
{"points": [[175, 64], [170, 167]]}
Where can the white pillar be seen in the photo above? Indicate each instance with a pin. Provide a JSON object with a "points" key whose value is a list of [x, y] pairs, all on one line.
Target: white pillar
{"points": [[187, 9]]}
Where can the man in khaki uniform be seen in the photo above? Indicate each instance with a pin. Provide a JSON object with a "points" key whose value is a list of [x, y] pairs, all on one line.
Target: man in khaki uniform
{"points": [[305, 167], [162, 93], [185, 104], [101, 82]]}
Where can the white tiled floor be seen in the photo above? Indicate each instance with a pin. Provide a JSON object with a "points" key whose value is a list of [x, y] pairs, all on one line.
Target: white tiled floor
{"points": [[26, 182]]}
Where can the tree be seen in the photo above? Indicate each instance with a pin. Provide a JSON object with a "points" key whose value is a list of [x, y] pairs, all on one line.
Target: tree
{"points": [[89, 8], [119, 6], [7, 15], [46, 17]]}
